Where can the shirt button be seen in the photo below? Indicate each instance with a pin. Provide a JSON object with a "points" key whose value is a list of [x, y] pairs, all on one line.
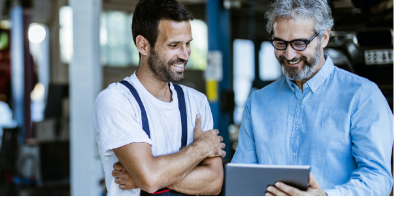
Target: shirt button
{"points": [[300, 102], [296, 127], [293, 154], [306, 85]]}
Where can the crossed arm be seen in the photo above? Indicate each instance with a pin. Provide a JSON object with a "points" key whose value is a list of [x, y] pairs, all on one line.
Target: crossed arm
{"points": [[195, 170]]}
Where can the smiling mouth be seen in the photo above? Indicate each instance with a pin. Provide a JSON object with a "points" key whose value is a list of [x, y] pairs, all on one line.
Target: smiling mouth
{"points": [[294, 62], [178, 65]]}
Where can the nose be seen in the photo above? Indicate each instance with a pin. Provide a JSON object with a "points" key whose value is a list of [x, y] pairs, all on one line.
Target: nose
{"points": [[184, 52], [290, 53]]}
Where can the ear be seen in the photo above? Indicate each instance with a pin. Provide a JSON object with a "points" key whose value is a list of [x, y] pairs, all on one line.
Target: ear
{"points": [[326, 38], [143, 45]]}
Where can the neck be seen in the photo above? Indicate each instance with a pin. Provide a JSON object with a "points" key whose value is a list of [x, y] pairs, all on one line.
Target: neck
{"points": [[300, 83], [159, 89]]}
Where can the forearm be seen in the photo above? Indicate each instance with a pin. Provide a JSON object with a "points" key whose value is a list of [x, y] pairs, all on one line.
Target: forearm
{"points": [[363, 183], [152, 173], [205, 179], [171, 169]]}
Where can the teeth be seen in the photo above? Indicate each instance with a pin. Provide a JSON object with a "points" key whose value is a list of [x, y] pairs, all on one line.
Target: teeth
{"points": [[178, 65], [294, 62]]}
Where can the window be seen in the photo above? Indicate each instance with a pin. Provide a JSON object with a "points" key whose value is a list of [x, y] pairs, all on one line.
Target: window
{"points": [[66, 33], [199, 46], [116, 41], [243, 74], [270, 69], [117, 45]]}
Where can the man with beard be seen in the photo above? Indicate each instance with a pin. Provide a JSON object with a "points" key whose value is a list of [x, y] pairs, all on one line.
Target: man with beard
{"points": [[317, 114], [154, 128]]}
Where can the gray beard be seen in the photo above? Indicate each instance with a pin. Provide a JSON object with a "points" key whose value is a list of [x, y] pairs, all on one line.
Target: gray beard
{"points": [[309, 68]]}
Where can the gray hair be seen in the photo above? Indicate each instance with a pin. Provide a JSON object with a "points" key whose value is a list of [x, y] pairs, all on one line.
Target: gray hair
{"points": [[318, 10]]}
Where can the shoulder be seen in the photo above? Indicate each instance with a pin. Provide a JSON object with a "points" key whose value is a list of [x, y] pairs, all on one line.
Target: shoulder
{"points": [[114, 92], [270, 90], [353, 81], [116, 97]]}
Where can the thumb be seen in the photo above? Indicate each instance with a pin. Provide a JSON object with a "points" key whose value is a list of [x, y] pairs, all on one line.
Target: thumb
{"points": [[197, 127], [313, 182]]}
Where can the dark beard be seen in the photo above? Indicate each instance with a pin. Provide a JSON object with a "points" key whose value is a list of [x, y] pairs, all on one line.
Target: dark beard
{"points": [[307, 71], [162, 70]]}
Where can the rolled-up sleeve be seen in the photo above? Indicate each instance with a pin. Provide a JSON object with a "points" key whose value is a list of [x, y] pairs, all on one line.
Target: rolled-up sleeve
{"points": [[246, 151], [371, 132]]}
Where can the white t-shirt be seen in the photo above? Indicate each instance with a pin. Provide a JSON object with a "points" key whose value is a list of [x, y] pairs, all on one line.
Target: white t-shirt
{"points": [[117, 120]]}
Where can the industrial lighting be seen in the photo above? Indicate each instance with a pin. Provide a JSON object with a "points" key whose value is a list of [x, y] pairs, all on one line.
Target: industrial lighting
{"points": [[38, 92], [228, 4], [36, 33]]}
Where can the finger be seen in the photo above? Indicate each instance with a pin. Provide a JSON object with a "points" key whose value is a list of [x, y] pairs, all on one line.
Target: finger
{"points": [[116, 173], [222, 153], [215, 132], [118, 166], [268, 194], [120, 181], [123, 181], [127, 187], [288, 189], [275, 191], [313, 182], [221, 138], [197, 126], [222, 145]]}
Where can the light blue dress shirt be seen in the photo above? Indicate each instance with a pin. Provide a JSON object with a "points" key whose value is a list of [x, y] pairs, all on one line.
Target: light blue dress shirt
{"points": [[340, 125]]}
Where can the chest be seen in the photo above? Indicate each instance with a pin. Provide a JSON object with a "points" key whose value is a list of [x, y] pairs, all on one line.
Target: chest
{"points": [[293, 125], [166, 128]]}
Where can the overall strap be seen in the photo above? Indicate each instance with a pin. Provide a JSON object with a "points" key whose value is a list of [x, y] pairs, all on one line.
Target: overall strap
{"points": [[145, 127], [182, 110], [144, 117]]}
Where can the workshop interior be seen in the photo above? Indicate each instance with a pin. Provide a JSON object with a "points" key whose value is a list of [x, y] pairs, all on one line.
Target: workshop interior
{"points": [[47, 137]]}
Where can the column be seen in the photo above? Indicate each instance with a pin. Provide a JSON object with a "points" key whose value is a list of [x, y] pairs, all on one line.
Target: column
{"points": [[85, 78]]}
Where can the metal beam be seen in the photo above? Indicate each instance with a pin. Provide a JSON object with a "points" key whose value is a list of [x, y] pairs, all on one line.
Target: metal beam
{"points": [[17, 69], [218, 20]]}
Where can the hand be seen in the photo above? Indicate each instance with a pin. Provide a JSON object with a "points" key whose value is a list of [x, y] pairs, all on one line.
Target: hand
{"points": [[122, 177], [210, 140], [282, 189]]}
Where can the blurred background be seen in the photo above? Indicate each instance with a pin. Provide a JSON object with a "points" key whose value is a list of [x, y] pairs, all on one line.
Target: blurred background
{"points": [[57, 55]]}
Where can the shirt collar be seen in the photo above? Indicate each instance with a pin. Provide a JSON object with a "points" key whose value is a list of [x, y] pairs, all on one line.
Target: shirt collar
{"points": [[315, 82]]}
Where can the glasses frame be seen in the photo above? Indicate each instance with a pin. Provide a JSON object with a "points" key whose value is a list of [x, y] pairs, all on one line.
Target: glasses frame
{"points": [[291, 42]]}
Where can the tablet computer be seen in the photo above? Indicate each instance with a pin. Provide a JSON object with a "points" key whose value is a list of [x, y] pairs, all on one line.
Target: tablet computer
{"points": [[253, 179]]}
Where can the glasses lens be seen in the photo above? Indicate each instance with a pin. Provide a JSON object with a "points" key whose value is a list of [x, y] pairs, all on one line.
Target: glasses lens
{"points": [[279, 44], [299, 45]]}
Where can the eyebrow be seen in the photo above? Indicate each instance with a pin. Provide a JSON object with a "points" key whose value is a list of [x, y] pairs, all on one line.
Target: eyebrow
{"points": [[179, 41], [304, 39]]}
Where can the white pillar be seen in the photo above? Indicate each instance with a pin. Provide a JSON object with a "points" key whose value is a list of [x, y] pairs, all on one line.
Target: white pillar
{"points": [[85, 78]]}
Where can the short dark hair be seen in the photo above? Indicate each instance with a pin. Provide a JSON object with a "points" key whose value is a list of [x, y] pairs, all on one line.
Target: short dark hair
{"points": [[148, 13]]}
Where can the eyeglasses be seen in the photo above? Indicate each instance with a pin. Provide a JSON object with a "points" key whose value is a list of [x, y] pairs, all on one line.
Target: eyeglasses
{"points": [[298, 45]]}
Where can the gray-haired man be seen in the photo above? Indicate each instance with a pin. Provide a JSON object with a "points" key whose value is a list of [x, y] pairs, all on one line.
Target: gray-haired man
{"points": [[319, 115]]}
